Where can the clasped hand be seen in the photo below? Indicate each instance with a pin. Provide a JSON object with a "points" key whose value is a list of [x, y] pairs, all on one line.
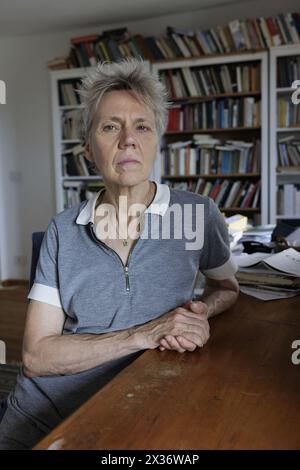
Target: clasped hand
{"points": [[199, 329], [183, 329]]}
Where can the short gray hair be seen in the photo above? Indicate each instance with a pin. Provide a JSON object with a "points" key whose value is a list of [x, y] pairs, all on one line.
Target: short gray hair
{"points": [[128, 74]]}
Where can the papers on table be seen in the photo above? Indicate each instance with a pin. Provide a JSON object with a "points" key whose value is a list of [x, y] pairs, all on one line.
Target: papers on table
{"points": [[270, 276], [263, 294], [262, 234], [293, 238], [287, 261]]}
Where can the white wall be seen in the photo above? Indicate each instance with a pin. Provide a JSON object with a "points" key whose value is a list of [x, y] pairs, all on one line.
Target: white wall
{"points": [[25, 122], [26, 146]]}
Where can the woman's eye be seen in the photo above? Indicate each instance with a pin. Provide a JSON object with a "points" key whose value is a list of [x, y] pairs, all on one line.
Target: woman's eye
{"points": [[110, 127], [143, 128]]}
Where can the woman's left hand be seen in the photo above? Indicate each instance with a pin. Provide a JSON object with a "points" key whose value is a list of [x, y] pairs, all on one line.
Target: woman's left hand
{"points": [[189, 342]]}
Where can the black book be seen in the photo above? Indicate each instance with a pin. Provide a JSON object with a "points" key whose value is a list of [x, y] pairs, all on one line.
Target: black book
{"points": [[73, 58], [296, 22], [174, 46], [151, 43], [72, 169], [181, 32], [118, 33]]}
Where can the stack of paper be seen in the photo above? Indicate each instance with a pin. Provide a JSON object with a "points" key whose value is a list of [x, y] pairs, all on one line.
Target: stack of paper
{"points": [[268, 276], [236, 225], [261, 233]]}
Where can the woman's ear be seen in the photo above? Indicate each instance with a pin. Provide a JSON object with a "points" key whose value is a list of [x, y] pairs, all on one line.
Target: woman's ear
{"points": [[88, 153]]}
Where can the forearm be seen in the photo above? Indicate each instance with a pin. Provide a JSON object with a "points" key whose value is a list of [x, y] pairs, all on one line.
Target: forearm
{"points": [[71, 354], [219, 296], [58, 354]]}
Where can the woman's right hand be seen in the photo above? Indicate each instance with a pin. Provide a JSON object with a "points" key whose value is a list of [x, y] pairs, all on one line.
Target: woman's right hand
{"points": [[180, 329], [181, 343]]}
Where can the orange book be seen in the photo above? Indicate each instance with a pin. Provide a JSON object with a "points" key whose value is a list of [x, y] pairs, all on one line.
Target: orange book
{"points": [[216, 189]]}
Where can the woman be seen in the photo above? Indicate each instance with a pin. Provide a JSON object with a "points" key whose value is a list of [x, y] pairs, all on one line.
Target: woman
{"points": [[114, 278]]}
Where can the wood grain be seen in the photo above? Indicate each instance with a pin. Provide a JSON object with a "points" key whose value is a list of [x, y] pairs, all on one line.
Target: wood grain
{"points": [[240, 392], [13, 307]]}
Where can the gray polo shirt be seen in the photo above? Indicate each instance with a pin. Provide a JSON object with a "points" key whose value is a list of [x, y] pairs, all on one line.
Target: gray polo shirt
{"points": [[183, 233]]}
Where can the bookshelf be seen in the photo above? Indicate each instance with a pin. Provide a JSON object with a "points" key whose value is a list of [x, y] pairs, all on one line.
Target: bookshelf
{"points": [[239, 35], [75, 183], [284, 132], [209, 101], [64, 109]]}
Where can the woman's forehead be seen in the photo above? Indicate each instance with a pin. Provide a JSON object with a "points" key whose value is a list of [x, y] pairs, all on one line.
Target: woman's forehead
{"points": [[117, 102]]}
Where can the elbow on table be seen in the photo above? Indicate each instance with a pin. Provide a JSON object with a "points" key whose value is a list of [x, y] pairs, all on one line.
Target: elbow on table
{"points": [[234, 288], [236, 293]]}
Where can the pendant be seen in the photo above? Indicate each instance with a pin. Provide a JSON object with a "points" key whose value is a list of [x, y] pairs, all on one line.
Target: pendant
{"points": [[125, 242]]}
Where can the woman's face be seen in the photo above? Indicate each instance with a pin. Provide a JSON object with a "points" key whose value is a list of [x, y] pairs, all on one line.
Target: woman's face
{"points": [[123, 140]]}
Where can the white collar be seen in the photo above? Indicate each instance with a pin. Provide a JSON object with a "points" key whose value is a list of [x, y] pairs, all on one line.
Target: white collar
{"points": [[158, 206]]}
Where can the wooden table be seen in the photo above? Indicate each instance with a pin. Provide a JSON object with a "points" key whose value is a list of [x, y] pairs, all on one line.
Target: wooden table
{"points": [[240, 392]]}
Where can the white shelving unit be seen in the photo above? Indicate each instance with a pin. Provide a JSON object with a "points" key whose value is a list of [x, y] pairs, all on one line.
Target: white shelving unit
{"points": [[279, 178], [57, 110], [262, 59]]}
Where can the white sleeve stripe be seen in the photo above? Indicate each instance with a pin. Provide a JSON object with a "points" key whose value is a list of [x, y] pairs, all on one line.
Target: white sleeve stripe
{"points": [[222, 272], [47, 294]]}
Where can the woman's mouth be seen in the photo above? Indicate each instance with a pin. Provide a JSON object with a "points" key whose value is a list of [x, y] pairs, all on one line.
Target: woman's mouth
{"points": [[128, 161]]}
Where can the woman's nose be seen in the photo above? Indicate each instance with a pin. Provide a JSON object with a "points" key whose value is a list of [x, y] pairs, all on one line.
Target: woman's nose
{"points": [[127, 138]]}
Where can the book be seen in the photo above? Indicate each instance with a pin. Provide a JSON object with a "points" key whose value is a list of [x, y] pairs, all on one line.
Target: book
{"points": [[237, 35], [285, 262], [270, 277], [237, 222], [117, 33], [87, 38]]}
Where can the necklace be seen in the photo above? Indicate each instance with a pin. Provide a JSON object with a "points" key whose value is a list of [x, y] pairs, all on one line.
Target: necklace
{"points": [[125, 241]]}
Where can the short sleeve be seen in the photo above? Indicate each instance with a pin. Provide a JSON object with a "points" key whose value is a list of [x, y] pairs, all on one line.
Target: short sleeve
{"points": [[46, 283], [216, 261]]}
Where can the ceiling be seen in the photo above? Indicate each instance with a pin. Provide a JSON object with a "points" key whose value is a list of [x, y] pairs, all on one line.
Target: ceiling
{"points": [[23, 17]]}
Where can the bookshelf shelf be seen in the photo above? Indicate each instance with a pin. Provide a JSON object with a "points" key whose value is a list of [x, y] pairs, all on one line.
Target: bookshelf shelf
{"points": [[197, 99], [70, 141], [208, 176], [285, 90], [288, 174], [240, 209], [288, 129], [285, 217], [214, 57], [283, 183], [215, 131]]}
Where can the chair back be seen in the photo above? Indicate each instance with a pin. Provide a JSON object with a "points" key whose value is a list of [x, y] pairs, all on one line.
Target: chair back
{"points": [[37, 238]]}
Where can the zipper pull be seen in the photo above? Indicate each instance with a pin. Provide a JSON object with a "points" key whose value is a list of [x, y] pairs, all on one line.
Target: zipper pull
{"points": [[127, 277]]}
